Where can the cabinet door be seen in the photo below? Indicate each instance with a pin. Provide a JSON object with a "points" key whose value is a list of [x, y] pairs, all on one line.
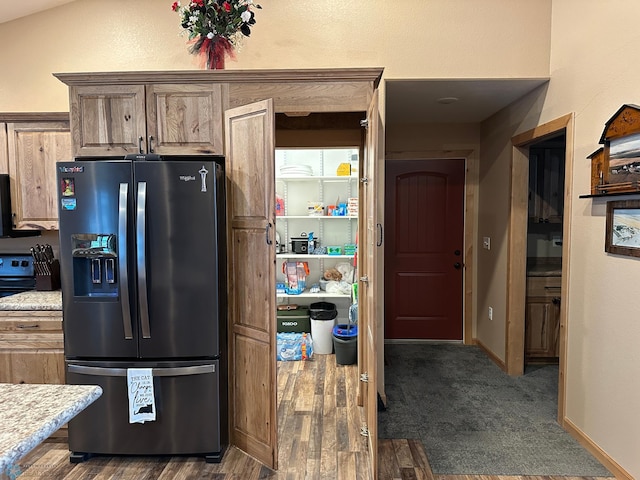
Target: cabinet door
{"points": [[34, 149], [541, 331], [31, 347], [184, 119], [370, 285], [4, 159], [546, 185], [107, 120], [250, 138]]}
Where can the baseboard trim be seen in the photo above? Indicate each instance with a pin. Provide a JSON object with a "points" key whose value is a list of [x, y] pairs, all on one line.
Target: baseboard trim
{"points": [[407, 341], [494, 358], [596, 451]]}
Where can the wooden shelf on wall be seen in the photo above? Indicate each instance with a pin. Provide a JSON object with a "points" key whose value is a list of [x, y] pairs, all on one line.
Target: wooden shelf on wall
{"points": [[615, 167], [601, 195]]}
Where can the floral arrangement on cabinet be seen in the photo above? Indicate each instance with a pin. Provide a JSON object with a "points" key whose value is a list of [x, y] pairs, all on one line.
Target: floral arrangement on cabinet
{"points": [[215, 27]]}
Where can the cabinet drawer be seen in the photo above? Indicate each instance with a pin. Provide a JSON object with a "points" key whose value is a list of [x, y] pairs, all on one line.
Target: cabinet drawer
{"points": [[31, 346], [543, 286], [31, 341], [49, 321]]}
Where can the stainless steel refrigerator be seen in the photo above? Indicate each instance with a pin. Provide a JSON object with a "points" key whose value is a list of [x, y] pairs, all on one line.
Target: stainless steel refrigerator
{"points": [[142, 252]]}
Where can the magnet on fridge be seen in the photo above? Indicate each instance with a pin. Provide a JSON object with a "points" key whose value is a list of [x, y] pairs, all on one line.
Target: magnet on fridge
{"points": [[68, 203], [68, 187]]}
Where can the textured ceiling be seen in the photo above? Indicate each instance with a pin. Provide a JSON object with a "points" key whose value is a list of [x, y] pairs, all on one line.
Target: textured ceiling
{"points": [[416, 101]]}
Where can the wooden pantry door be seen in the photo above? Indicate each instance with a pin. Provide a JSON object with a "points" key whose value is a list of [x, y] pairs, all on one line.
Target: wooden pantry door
{"points": [[368, 282], [249, 147]]}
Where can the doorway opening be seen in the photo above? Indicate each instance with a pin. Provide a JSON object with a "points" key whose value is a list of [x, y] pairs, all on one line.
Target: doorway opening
{"points": [[544, 250], [518, 231]]}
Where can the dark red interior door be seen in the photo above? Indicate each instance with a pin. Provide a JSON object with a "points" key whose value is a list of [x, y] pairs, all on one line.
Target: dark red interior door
{"points": [[424, 205]]}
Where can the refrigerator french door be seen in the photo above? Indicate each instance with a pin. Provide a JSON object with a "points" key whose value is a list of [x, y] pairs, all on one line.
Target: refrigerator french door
{"points": [[142, 251]]}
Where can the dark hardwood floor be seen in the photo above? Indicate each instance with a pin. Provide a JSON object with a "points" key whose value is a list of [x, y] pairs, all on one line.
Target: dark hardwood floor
{"points": [[318, 431], [318, 438]]}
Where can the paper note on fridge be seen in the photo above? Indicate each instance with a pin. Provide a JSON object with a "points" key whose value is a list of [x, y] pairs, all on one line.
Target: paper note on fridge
{"points": [[142, 402]]}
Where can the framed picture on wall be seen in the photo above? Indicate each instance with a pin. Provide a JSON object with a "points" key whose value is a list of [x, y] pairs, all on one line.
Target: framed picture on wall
{"points": [[623, 228]]}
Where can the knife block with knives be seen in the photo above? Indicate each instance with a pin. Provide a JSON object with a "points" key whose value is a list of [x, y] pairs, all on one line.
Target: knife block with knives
{"points": [[46, 268]]}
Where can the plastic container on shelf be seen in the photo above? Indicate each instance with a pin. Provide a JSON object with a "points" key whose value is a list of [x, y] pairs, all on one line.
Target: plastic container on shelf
{"points": [[279, 206]]}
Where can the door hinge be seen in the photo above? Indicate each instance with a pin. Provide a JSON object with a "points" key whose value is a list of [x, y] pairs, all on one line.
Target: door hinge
{"points": [[364, 180], [364, 123], [364, 377], [364, 431]]}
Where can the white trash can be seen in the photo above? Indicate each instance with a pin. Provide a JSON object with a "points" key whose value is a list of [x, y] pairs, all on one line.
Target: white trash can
{"points": [[323, 318], [322, 335]]}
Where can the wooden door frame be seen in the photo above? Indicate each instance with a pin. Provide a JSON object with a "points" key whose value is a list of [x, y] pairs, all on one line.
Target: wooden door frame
{"points": [[470, 224], [516, 261]]}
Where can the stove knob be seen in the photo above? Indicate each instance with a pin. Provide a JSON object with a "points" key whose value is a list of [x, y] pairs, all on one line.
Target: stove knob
{"points": [[15, 263], [24, 263]]}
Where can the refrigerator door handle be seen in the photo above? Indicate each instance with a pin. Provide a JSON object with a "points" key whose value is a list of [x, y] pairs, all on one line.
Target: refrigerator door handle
{"points": [[122, 261], [157, 372], [141, 228]]}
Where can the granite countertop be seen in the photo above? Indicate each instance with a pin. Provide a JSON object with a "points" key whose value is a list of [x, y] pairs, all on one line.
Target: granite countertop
{"points": [[29, 413], [544, 270], [33, 300]]}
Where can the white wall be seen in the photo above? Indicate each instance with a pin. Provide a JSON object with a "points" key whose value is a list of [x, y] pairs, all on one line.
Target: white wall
{"points": [[593, 73], [435, 39]]}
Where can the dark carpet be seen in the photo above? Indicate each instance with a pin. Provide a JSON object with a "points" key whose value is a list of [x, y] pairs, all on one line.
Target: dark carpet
{"points": [[473, 418]]}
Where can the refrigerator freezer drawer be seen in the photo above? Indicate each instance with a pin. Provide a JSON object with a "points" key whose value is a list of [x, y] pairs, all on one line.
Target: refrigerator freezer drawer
{"points": [[189, 418]]}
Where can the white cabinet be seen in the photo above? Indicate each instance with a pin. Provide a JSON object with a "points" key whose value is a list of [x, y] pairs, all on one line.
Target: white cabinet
{"points": [[308, 177]]}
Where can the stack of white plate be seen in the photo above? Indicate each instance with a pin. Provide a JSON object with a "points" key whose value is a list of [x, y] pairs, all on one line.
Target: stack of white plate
{"points": [[296, 171]]}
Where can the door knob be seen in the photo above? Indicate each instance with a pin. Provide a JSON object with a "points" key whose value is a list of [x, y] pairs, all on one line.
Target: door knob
{"points": [[457, 265]]}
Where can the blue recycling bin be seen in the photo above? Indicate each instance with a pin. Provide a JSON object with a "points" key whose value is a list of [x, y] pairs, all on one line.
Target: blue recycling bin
{"points": [[345, 343]]}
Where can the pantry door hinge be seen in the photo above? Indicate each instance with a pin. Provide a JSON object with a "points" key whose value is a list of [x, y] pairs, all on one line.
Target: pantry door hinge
{"points": [[364, 431], [364, 377], [364, 123], [364, 180]]}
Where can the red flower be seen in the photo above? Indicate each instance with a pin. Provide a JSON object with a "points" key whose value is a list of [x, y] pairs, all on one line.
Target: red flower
{"points": [[199, 3], [226, 6], [175, 6]]}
